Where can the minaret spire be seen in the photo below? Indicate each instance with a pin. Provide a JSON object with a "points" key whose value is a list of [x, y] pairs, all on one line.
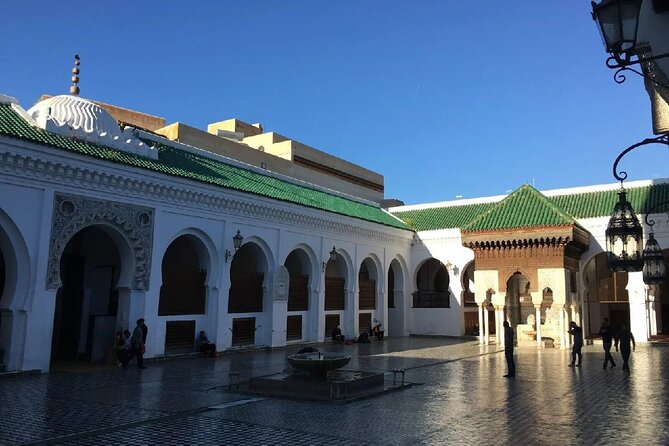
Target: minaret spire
{"points": [[74, 89]]}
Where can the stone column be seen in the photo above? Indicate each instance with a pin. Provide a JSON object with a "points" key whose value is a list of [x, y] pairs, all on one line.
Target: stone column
{"points": [[563, 328], [481, 338], [38, 335], [537, 317], [651, 301], [499, 324], [314, 331], [486, 318], [636, 290], [351, 312], [212, 313], [131, 308]]}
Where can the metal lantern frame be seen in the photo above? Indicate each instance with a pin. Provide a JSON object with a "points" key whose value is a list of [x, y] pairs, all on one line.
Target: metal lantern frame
{"points": [[618, 24], [654, 268], [332, 258], [624, 234], [624, 237]]}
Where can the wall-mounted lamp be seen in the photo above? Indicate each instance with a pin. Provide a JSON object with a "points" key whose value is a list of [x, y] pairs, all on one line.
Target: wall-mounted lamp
{"points": [[415, 239], [618, 23], [237, 241], [332, 258], [451, 268]]}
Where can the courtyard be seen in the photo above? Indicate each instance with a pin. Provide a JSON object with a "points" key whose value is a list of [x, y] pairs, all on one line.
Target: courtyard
{"points": [[458, 397]]}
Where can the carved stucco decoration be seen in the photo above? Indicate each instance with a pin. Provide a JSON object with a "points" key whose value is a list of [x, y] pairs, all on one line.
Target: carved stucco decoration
{"points": [[71, 214], [281, 283], [485, 280], [553, 278], [57, 173]]}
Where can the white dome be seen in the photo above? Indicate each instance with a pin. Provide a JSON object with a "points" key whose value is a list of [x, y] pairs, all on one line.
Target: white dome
{"points": [[77, 113], [80, 118]]}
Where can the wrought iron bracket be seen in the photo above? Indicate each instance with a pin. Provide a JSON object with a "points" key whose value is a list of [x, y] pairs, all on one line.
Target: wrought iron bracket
{"points": [[622, 176], [623, 63], [651, 223]]}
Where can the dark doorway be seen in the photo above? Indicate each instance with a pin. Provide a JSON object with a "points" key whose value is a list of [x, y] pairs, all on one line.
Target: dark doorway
{"points": [[87, 301]]}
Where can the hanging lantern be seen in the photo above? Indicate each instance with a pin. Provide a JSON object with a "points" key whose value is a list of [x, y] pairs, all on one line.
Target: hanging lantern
{"points": [[624, 237], [654, 268], [618, 22]]}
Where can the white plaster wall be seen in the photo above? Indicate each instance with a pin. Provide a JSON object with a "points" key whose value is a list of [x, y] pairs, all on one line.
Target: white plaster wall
{"points": [[354, 240], [654, 29], [445, 246]]}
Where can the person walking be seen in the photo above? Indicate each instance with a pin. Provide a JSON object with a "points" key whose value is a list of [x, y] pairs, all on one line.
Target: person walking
{"points": [[606, 332], [138, 342], [623, 339], [577, 333], [508, 350]]}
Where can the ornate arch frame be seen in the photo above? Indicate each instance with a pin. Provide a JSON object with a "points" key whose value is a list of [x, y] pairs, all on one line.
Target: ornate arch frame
{"points": [[132, 224]]}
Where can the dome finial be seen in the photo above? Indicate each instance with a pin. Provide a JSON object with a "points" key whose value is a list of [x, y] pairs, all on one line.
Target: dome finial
{"points": [[74, 89]]}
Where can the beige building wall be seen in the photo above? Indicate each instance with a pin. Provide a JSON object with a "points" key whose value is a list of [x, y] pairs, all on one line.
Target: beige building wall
{"points": [[267, 160]]}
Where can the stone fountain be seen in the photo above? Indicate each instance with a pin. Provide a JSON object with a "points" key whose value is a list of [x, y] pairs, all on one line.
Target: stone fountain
{"points": [[317, 375]]}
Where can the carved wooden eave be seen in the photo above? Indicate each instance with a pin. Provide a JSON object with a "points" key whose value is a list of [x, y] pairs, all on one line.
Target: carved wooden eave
{"points": [[571, 240]]}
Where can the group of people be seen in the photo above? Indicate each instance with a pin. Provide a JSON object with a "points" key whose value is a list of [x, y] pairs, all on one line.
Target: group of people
{"points": [[129, 346], [363, 338], [623, 338]]}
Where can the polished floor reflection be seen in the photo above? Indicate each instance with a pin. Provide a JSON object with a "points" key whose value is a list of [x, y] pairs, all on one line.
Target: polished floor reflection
{"points": [[460, 398]]}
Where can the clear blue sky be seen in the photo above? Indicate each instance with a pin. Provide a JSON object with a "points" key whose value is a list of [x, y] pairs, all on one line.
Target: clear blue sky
{"points": [[442, 97]]}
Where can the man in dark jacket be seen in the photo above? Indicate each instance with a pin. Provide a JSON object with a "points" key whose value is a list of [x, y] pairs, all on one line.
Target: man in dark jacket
{"points": [[623, 339], [138, 341], [606, 332], [577, 333], [508, 350]]}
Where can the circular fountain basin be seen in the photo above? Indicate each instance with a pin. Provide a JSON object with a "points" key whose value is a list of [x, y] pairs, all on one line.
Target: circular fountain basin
{"points": [[318, 363]]}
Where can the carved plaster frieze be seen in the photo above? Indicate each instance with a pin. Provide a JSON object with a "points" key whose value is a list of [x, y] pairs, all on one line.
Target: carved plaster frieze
{"points": [[72, 213], [555, 279], [281, 283], [61, 174], [485, 281]]}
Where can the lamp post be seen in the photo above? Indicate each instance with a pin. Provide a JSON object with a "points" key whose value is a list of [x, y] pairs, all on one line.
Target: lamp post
{"points": [[618, 23], [624, 234]]}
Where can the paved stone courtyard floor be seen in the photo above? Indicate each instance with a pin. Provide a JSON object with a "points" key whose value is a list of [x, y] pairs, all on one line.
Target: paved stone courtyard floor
{"points": [[459, 397]]}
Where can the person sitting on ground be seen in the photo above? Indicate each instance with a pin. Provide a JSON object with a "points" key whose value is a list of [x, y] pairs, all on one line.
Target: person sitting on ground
{"points": [[336, 335], [377, 331], [363, 338], [204, 345]]}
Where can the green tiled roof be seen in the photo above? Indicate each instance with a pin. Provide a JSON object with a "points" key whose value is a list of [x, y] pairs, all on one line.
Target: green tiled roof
{"points": [[600, 204], [574, 206], [192, 166], [443, 217], [525, 207]]}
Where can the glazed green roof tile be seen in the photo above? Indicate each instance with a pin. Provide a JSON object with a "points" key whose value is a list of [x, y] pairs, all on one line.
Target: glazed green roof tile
{"points": [[443, 217], [600, 204], [575, 206], [192, 166], [525, 207]]}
